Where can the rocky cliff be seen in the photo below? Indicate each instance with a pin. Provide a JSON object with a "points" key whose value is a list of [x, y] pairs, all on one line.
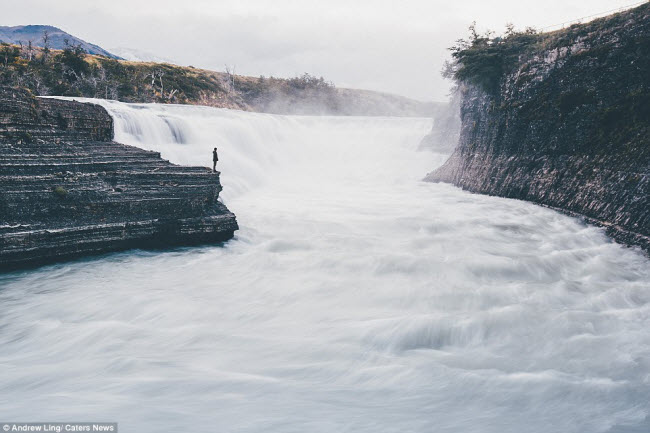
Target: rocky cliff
{"points": [[561, 119], [67, 189]]}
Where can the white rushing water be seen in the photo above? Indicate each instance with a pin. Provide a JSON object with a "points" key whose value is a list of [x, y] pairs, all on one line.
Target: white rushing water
{"points": [[355, 298]]}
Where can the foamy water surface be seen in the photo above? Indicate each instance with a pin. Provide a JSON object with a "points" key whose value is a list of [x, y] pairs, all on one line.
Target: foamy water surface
{"points": [[355, 298]]}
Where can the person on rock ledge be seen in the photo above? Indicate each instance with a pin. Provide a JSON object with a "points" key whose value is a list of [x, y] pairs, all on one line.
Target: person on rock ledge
{"points": [[215, 158]]}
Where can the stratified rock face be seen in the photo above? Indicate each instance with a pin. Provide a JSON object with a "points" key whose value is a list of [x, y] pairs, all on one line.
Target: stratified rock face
{"points": [[67, 189], [570, 128]]}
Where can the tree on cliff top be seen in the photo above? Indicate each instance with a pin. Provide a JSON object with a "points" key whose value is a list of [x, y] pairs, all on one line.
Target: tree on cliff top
{"points": [[482, 59], [73, 58]]}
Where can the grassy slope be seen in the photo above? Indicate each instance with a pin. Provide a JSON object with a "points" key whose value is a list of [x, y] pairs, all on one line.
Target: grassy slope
{"points": [[74, 73]]}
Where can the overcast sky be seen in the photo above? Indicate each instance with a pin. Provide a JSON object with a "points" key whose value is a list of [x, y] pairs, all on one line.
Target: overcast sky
{"points": [[387, 45]]}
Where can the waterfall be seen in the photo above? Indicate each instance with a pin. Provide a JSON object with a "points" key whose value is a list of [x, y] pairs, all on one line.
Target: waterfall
{"points": [[260, 149], [354, 298]]}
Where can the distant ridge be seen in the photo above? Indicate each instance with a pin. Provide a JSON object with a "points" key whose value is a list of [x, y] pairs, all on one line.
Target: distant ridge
{"points": [[135, 55], [137, 76], [57, 38]]}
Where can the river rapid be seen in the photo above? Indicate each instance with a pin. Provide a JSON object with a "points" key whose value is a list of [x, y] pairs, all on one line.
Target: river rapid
{"points": [[354, 298]]}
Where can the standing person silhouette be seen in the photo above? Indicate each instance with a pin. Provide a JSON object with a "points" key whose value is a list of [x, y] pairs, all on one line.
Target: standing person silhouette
{"points": [[215, 158]]}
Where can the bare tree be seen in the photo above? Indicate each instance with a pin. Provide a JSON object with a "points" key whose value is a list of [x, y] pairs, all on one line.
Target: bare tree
{"points": [[162, 87], [113, 92], [26, 50], [157, 74], [30, 50], [41, 88], [102, 80], [46, 46], [231, 78]]}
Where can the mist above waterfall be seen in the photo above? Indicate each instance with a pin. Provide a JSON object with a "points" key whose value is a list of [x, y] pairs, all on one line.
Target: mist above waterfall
{"points": [[354, 298]]}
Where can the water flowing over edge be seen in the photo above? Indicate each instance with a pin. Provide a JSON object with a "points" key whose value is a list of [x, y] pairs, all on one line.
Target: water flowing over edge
{"points": [[354, 298]]}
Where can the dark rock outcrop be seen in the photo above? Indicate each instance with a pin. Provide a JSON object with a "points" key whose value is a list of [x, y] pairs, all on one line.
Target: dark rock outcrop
{"points": [[568, 127], [66, 189]]}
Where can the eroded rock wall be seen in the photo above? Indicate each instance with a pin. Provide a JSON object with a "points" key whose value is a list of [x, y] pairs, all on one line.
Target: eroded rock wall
{"points": [[66, 189], [569, 128]]}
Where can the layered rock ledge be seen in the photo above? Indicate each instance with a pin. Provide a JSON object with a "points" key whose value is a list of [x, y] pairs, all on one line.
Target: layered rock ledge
{"points": [[568, 127], [67, 189]]}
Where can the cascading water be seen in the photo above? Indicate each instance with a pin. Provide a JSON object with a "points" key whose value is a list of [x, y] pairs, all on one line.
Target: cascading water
{"points": [[354, 298]]}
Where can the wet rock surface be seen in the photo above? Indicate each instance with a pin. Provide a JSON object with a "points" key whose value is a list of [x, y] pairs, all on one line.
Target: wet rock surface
{"points": [[569, 129], [68, 190]]}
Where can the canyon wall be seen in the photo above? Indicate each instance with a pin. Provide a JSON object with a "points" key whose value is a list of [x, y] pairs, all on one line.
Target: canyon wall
{"points": [[567, 126], [68, 190]]}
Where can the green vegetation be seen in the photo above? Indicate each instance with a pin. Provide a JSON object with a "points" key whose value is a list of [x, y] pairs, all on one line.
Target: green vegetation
{"points": [[60, 192], [264, 87], [483, 60], [72, 72], [281, 95], [595, 99]]}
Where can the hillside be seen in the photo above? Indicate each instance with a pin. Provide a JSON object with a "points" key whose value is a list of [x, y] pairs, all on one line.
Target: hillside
{"points": [[560, 119], [53, 37], [73, 72]]}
